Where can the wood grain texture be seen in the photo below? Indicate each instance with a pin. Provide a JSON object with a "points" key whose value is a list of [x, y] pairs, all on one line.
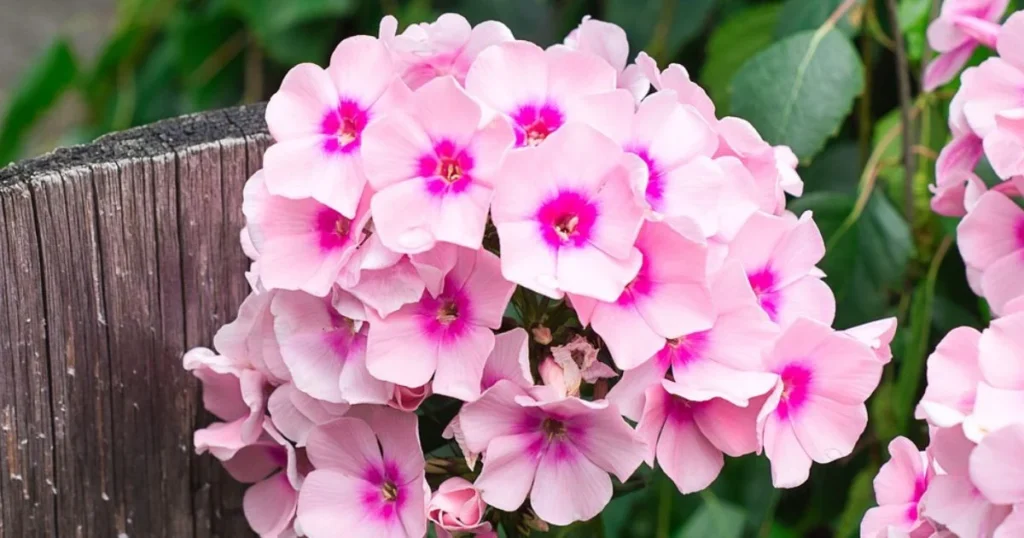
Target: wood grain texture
{"points": [[115, 258]]}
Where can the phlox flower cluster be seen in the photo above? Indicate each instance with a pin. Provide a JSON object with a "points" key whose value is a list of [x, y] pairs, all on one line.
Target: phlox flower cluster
{"points": [[529, 247], [970, 479]]}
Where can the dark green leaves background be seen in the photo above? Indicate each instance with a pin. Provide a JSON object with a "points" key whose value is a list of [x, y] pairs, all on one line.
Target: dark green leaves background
{"points": [[819, 80]]}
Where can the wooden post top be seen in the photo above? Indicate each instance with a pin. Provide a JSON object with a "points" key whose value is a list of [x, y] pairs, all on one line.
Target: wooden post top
{"points": [[116, 257]]}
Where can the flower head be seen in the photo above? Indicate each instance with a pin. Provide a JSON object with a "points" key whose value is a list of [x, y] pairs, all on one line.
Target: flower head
{"points": [[959, 29]]}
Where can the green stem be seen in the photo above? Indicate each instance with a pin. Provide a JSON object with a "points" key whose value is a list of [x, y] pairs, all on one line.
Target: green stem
{"points": [[665, 494]]}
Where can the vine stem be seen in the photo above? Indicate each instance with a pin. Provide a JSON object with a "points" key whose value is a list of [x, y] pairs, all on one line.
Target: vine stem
{"points": [[840, 11], [903, 77]]}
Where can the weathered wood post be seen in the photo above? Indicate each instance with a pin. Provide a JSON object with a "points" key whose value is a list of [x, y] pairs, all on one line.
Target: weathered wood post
{"points": [[114, 258]]}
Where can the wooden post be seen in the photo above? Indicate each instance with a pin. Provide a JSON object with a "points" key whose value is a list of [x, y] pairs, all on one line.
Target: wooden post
{"points": [[115, 257]]}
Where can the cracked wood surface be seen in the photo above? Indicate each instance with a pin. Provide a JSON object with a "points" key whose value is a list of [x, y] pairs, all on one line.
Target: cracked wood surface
{"points": [[115, 257]]}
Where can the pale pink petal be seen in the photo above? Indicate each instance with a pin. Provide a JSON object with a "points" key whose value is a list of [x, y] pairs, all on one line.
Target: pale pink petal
{"points": [[897, 481], [628, 392], [523, 263], [398, 349], [705, 379], [808, 298], [1001, 352], [883, 521], [946, 66], [687, 456], [508, 75], [445, 111], [574, 73], [460, 367], [877, 335], [391, 149], [1013, 525], [495, 414], [791, 466], [994, 465], [573, 488], [610, 112], [828, 430], [1001, 282], [593, 273], [347, 445], [730, 428], [389, 289], [509, 470], [330, 500], [847, 368], [509, 360], [630, 339], [269, 506], [607, 441], [990, 231], [953, 376], [299, 106], [993, 409], [953, 502], [489, 292], [361, 69]]}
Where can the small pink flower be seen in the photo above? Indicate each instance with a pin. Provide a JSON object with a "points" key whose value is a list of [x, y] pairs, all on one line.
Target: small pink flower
{"points": [[571, 365], [295, 413], [325, 351], [456, 506], [817, 411], [432, 169], [608, 41], [779, 255], [250, 338], [953, 377], [441, 48], [773, 168], [677, 79], [318, 117], [567, 218], [952, 500], [409, 399], [369, 476], [992, 88], [899, 486], [303, 244], [667, 299], [688, 432], [557, 452], [954, 171], [959, 29], [537, 90], [877, 335], [450, 334], [991, 239], [723, 361], [233, 393], [270, 503]]}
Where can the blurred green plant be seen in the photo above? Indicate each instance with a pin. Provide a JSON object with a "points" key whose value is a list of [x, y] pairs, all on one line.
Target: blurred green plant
{"points": [[817, 75]]}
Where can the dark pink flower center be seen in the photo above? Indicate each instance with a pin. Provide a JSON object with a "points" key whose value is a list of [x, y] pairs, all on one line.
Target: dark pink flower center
{"points": [[685, 350], [446, 316], [339, 337], [384, 494], [333, 228], [680, 410], [763, 283], [655, 180], [447, 169], [534, 123], [796, 382], [1020, 234], [344, 127], [567, 219]]}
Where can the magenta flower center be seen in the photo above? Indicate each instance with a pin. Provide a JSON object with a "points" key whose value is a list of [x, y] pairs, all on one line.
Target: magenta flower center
{"points": [[447, 169], [640, 286], [796, 382], [567, 219], [344, 127], [445, 317], [685, 350], [448, 312], [655, 182], [763, 283], [333, 228], [1020, 234], [534, 123]]}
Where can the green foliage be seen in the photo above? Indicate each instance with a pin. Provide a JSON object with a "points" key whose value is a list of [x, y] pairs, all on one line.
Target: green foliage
{"points": [[733, 43], [660, 27], [800, 90], [801, 15]]}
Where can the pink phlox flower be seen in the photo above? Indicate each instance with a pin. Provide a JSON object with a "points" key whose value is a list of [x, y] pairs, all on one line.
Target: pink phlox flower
{"points": [[688, 432], [302, 243], [432, 167], [779, 254], [447, 46], [566, 216], [250, 336], [408, 399], [773, 168], [724, 361], [317, 119], [369, 475], [456, 506], [447, 337], [952, 500], [295, 413], [508, 361], [675, 145], [668, 298], [325, 349], [276, 470], [558, 452], [953, 377], [608, 41], [991, 240], [234, 393], [959, 29], [676, 78], [540, 90], [899, 487], [877, 335], [954, 173], [817, 411]]}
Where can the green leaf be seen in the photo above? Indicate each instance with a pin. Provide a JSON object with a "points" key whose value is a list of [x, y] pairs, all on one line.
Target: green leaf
{"points": [[837, 169], [49, 76], [532, 20], [714, 518], [885, 242], [731, 44], [913, 17], [209, 49], [661, 27], [801, 15], [861, 497], [799, 91], [268, 18]]}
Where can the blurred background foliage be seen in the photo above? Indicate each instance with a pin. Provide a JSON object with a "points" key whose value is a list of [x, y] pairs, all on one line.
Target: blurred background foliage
{"points": [[818, 75]]}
